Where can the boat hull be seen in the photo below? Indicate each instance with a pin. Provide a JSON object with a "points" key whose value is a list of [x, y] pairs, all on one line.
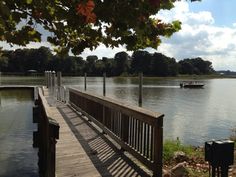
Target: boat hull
{"points": [[191, 85]]}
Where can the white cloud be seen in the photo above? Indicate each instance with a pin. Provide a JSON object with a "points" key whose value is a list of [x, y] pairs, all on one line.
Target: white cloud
{"points": [[30, 45], [199, 37], [103, 51]]}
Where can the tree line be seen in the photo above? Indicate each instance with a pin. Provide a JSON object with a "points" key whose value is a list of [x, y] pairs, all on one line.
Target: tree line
{"points": [[156, 64]]}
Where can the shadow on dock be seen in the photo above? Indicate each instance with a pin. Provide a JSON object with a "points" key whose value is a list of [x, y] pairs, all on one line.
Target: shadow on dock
{"points": [[105, 155]]}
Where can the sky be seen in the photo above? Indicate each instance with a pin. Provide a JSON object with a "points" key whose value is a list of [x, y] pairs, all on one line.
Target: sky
{"points": [[208, 31]]}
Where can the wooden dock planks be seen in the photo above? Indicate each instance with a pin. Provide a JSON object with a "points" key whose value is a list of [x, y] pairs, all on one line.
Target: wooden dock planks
{"points": [[82, 150]]}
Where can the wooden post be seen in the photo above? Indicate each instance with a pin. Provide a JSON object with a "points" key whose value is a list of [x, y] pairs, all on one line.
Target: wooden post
{"points": [[47, 75], [50, 79], [125, 127], [104, 84], [140, 100], [45, 78], [85, 81], [59, 85], [158, 147], [53, 135], [53, 81], [64, 89], [59, 78]]}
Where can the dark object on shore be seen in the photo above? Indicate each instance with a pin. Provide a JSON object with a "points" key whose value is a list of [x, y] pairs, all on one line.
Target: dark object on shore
{"points": [[220, 155], [191, 84]]}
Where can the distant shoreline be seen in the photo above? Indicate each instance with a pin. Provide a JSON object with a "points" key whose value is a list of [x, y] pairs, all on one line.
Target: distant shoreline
{"points": [[191, 77]]}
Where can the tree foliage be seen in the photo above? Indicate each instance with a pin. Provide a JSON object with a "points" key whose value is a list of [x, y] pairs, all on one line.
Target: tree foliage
{"points": [[195, 66], [78, 24], [157, 64]]}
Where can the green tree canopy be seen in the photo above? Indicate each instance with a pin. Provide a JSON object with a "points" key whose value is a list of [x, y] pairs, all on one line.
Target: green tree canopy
{"points": [[78, 24]]}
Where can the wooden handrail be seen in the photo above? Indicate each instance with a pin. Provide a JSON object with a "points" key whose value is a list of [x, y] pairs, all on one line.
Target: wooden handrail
{"points": [[136, 130], [45, 137]]}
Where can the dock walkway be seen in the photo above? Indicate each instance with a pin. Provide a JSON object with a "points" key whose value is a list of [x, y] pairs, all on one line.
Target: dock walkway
{"points": [[83, 150]]}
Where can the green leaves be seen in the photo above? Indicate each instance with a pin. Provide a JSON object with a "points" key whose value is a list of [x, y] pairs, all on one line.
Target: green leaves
{"points": [[79, 24], [29, 1]]}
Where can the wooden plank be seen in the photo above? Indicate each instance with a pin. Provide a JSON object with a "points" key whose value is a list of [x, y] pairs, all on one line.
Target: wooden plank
{"points": [[71, 159]]}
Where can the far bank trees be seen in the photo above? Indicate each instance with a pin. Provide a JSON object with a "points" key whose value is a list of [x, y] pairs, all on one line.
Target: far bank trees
{"points": [[156, 64]]}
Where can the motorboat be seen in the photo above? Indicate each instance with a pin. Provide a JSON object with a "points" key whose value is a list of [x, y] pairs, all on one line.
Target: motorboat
{"points": [[191, 84]]}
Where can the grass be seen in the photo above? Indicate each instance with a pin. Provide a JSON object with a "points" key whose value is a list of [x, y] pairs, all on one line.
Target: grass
{"points": [[171, 146], [196, 165]]}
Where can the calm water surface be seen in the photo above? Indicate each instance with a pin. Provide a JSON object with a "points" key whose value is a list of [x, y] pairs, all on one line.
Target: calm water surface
{"points": [[17, 157], [193, 115]]}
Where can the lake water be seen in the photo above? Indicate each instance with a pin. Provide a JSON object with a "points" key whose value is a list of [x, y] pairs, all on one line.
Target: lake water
{"points": [[193, 115], [17, 156]]}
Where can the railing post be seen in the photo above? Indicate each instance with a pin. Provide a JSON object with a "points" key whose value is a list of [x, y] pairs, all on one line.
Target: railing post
{"points": [[58, 78], [158, 147], [53, 135], [53, 82], [64, 90], [59, 85], [140, 100], [104, 84], [45, 78], [50, 79], [85, 81], [125, 127]]}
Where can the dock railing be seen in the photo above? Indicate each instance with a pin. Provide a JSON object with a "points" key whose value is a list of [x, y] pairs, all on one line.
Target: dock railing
{"points": [[45, 137], [136, 130]]}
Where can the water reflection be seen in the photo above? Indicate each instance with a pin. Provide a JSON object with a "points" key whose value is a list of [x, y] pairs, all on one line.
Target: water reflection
{"points": [[17, 157]]}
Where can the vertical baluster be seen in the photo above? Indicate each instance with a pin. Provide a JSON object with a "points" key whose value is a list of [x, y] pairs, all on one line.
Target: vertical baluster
{"points": [[145, 140], [148, 141], [130, 126], [131, 131], [112, 120], [151, 145], [136, 134], [118, 124], [108, 117], [141, 137]]}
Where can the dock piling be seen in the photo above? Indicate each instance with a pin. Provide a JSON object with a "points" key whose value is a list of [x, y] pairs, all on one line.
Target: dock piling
{"points": [[104, 84], [140, 100]]}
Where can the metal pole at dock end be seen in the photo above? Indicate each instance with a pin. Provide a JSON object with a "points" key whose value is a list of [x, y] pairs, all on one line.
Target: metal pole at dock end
{"points": [[104, 84], [53, 82], [85, 81], [59, 78], [50, 79], [59, 85], [140, 100]]}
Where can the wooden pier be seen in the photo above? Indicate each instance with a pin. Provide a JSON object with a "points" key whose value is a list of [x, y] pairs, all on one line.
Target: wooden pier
{"points": [[115, 140], [94, 136]]}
